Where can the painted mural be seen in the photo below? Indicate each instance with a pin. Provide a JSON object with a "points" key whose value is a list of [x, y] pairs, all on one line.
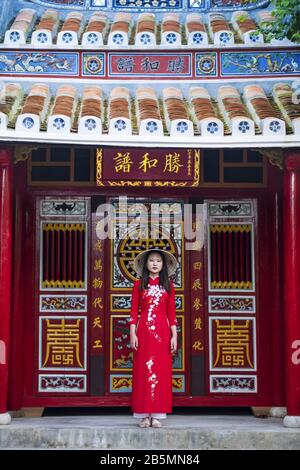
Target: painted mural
{"points": [[35, 63], [260, 63]]}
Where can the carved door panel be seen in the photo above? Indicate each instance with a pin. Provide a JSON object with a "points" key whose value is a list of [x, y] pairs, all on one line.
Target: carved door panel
{"points": [[62, 296], [128, 240], [231, 293]]}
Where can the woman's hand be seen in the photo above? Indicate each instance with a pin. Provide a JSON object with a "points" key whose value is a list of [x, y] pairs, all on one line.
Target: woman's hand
{"points": [[134, 342], [174, 344]]}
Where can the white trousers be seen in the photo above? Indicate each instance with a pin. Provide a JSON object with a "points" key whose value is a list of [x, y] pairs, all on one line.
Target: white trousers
{"points": [[150, 415]]}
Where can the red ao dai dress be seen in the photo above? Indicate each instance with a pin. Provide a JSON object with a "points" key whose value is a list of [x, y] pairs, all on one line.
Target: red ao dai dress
{"points": [[152, 362]]}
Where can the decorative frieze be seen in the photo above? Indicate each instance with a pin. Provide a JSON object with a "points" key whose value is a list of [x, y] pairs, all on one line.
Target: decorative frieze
{"points": [[49, 383], [233, 384], [63, 303], [230, 209], [231, 304], [63, 207]]}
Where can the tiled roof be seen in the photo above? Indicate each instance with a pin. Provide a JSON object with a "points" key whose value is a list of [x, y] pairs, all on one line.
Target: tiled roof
{"points": [[146, 30], [185, 115]]}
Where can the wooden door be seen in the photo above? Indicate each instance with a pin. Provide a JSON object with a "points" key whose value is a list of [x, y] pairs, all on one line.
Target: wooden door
{"points": [[128, 241]]}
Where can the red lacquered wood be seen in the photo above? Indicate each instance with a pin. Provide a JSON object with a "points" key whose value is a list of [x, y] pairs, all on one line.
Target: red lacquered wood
{"points": [[69, 238], [224, 256], [236, 256], [46, 272], [292, 278], [64, 257], [271, 240], [211, 401], [5, 269], [242, 256], [80, 257], [214, 257], [247, 256], [75, 251], [218, 235], [230, 255], [16, 368], [58, 255]]}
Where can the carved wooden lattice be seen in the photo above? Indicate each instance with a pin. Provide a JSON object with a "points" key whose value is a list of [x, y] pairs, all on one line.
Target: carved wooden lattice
{"points": [[63, 255]]}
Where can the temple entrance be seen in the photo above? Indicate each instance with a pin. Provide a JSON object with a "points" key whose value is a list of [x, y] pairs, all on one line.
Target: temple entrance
{"points": [[81, 285]]}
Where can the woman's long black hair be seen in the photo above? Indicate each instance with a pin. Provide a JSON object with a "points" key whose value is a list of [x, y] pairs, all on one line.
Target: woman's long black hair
{"points": [[163, 274]]}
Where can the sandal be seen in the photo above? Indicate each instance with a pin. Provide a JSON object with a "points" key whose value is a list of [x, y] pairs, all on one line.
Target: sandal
{"points": [[155, 423], [144, 423]]}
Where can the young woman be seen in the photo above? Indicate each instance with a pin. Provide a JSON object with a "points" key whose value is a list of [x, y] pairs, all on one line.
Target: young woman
{"points": [[153, 337]]}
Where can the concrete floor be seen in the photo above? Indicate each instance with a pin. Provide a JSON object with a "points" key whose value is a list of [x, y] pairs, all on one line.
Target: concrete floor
{"points": [[180, 431]]}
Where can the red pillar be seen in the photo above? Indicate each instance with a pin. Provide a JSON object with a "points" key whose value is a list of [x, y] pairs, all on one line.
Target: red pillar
{"points": [[5, 274], [292, 284]]}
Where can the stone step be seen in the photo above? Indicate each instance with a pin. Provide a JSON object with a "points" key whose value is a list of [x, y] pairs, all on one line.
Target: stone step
{"points": [[122, 432]]}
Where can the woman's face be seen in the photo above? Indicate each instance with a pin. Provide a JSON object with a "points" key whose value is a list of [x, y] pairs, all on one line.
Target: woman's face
{"points": [[154, 263]]}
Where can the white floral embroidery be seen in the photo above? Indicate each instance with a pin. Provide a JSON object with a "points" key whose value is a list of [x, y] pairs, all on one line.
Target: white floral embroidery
{"points": [[154, 293], [152, 376]]}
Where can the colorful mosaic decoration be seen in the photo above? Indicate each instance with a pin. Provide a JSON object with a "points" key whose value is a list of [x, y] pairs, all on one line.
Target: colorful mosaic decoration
{"points": [[63, 207], [135, 5], [39, 63], [160, 65], [122, 383], [233, 384], [179, 302], [232, 343], [147, 4], [231, 304], [62, 383], [142, 65], [62, 343], [62, 303], [230, 209], [178, 383], [62, 3], [206, 64], [265, 63], [223, 5], [93, 64], [120, 303]]}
